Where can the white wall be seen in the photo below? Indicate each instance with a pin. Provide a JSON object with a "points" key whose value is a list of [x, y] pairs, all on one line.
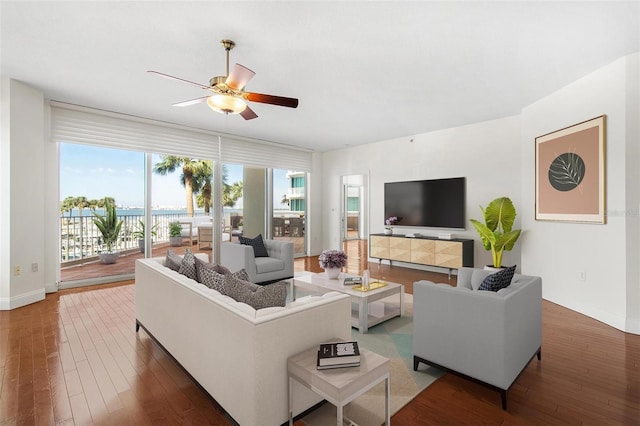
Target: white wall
{"points": [[23, 195], [607, 254], [487, 154]]}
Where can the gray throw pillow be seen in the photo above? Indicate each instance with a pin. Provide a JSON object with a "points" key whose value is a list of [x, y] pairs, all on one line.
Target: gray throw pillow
{"points": [[499, 280], [241, 275], [259, 250], [200, 264], [188, 266], [172, 261], [256, 296], [212, 279]]}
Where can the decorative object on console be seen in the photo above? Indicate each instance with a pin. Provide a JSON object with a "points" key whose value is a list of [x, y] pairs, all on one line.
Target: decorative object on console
{"points": [[570, 173], [109, 226], [496, 232], [175, 234], [332, 261], [390, 221]]}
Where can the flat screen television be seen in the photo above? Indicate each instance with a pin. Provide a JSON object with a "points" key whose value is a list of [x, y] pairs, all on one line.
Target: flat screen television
{"points": [[434, 203]]}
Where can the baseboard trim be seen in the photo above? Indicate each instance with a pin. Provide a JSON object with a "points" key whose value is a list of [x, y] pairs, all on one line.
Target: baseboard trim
{"points": [[7, 304]]}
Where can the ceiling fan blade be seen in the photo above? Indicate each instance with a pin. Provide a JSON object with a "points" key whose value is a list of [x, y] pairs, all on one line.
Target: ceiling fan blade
{"points": [[271, 99], [248, 114], [191, 102], [170, 77], [239, 77]]}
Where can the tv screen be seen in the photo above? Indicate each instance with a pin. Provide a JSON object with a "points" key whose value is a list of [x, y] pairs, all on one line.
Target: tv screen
{"points": [[435, 203]]}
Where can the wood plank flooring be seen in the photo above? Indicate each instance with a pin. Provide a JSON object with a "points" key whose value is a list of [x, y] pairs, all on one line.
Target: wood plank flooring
{"points": [[75, 358]]}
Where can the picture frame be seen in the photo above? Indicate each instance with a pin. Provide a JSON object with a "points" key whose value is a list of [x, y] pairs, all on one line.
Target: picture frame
{"points": [[570, 173]]}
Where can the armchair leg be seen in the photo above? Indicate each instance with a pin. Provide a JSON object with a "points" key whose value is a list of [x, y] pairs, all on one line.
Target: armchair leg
{"points": [[539, 354], [503, 394]]}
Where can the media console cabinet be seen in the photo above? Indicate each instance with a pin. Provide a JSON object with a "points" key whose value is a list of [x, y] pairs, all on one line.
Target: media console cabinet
{"points": [[429, 251]]}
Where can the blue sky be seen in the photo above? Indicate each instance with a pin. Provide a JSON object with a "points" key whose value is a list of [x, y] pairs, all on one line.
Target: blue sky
{"points": [[96, 172]]}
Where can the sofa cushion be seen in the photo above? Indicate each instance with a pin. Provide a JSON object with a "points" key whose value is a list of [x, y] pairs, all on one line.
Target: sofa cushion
{"points": [[254, 295], [499, 280], [173, 261], [268, 264], [259, 250], [478, 276], [188, 266]]}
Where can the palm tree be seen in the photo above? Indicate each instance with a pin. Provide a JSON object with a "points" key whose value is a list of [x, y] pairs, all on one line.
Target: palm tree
{"points": [[169, 164], [80, 202], [202, 184], [231, 193]]}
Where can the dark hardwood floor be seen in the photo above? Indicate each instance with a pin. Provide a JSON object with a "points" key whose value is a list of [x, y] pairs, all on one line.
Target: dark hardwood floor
{"points": [[75, 358]]}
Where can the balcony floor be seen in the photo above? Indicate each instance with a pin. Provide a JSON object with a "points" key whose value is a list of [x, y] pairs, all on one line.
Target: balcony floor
{"points": [[126, 263]]}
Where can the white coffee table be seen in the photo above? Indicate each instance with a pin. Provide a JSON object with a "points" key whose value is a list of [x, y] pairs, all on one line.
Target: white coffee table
{"points": [[339, 386], [365, 316]]}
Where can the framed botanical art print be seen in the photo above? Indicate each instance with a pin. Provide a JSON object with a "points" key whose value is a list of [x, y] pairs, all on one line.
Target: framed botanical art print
{"points": [[570, 173]]}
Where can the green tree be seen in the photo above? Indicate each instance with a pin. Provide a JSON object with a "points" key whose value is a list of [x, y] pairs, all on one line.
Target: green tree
{"points": [[171, 163]]}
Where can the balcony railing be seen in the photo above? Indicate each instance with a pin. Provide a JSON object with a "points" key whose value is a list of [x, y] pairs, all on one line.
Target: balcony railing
{"points": [[80, 238]]}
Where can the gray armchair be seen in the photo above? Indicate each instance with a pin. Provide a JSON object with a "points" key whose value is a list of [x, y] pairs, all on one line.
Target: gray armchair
{"points": [[261, 270], [487, 336]]}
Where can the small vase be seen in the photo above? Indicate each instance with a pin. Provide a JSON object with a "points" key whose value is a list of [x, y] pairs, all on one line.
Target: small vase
{"points": [[332, 273], [388, 231]]}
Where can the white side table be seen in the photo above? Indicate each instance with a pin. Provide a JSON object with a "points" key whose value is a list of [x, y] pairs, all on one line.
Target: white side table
{"points": [[339, 386]]}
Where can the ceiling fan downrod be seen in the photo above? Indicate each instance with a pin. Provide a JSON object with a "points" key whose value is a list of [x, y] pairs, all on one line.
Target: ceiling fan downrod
{"points": [[228, 45]]}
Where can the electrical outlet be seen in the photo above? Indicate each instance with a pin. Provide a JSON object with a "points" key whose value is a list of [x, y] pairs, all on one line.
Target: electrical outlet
{"points": [[17, 271], [34, 267], [583, 276]]}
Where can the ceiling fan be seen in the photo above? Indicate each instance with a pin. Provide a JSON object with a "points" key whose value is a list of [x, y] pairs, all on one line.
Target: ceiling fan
{"points": [[228, 95]]}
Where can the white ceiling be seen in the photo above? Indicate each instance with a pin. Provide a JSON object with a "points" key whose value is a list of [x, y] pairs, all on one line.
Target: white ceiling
{"points": [[363, 71]]}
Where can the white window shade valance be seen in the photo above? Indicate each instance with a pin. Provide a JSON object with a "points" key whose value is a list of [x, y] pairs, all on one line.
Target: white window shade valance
{"points": [[265, 154], [76, 124], [123, 132]]}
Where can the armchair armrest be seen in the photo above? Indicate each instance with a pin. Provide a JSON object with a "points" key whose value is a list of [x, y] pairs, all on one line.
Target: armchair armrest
{"points": [[237, 256]]}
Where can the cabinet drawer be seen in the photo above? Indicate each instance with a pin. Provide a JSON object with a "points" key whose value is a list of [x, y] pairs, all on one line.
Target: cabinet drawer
{"points": [[448, 254], [423, 251]]}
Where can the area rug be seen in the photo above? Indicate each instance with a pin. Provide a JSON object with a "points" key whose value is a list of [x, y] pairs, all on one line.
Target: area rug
{"points": [[394, 340]]}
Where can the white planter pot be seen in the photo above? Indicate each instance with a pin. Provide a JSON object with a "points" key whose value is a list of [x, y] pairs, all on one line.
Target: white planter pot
{"points": [[333, 273], [108, 258], [388, 231]]}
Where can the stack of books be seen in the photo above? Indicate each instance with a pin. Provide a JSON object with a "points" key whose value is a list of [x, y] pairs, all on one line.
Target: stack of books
{"points": [[338, 355], [352, 280]]}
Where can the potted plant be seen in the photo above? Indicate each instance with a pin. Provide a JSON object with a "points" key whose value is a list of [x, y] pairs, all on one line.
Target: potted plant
{"points": [[175, 234], [139, 234], [390, 221], [496, 232], [332, 261], [109, 226]]}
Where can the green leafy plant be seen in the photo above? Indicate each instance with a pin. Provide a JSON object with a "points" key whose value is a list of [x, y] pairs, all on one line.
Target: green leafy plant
{"points": [[108, 225], [139, 232], [175, 229], [496, 232]]}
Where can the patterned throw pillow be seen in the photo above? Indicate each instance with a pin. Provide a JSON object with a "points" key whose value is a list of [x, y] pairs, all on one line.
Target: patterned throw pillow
{"points": [[241, 275], [259, 250], [254, 295], [200, 264], [173, 261], [188, 266], [499, 280], [212, 279]]}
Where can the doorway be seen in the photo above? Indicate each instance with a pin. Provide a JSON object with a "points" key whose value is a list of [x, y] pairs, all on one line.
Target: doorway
{"points": [[353, 207]]}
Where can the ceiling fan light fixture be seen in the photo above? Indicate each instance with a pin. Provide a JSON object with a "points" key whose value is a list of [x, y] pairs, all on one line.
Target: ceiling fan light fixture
{"points": [[226, 104]]}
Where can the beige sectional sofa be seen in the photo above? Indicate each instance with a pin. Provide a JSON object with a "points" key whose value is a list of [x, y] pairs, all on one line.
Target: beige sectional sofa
{"points": [[236, 353]]}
